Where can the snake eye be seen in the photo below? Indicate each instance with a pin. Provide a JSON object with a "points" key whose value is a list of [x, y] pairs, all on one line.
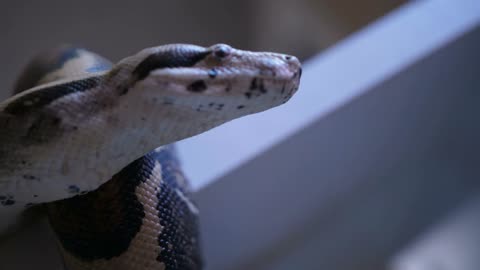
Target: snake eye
{"points": [[221, 50]]}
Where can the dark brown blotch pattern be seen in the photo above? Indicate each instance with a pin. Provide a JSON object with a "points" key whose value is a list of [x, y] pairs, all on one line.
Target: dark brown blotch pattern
{"points": [[197, 86]]}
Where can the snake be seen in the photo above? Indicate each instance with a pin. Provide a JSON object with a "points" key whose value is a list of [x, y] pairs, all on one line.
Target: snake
{"points": [[92, 144]]}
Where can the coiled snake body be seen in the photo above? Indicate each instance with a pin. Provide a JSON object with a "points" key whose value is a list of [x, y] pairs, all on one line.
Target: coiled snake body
{"points": [[91, 142]]}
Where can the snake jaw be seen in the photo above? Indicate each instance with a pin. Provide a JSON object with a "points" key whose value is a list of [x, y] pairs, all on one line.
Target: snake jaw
{"points": [[220, 80]]}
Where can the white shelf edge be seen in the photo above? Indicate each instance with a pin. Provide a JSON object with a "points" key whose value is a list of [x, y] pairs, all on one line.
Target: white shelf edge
{"points": [[366, 58]]}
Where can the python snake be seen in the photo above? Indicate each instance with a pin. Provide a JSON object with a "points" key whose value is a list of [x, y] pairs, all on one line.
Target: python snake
{"points": [[91, 142]]}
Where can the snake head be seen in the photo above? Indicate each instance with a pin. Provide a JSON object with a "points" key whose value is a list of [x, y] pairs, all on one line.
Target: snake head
{"points": [[217, 82], [81, 130]]}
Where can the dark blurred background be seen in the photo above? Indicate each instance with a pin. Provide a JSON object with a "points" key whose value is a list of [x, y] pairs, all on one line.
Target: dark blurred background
{"points": [[117, 29]]}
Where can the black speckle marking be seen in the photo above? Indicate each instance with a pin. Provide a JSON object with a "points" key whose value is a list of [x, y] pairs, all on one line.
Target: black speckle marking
{"points": [[240, 107], [211, 104], [220, 107], [197, 86], [30, 177], [35, 195], [262, 88], [212, 73], [257, 86], [37, 133], [254, 84], [7, 200], [248, 95], [183, 57], [73, 189]]}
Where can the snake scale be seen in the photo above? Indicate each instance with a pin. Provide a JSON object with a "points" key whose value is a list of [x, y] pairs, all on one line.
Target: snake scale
{"points": [[90, 142]]}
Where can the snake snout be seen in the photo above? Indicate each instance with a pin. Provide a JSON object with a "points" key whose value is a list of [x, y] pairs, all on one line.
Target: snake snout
{"points": [[278, 66]]}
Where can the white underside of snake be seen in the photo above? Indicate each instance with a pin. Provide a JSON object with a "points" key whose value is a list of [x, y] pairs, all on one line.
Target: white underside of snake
{"points": [[90, 143]]}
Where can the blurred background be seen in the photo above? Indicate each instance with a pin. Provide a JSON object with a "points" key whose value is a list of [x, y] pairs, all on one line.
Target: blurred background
{"points": [[386, 177], [116, 29]]}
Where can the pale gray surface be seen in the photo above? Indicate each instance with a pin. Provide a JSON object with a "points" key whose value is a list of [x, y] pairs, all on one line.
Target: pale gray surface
{"points": [[331, 79], [453, 244], [354, 187]]}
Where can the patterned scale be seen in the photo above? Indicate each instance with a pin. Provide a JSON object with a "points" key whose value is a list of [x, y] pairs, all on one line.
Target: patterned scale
{"points": [[140, 219]]}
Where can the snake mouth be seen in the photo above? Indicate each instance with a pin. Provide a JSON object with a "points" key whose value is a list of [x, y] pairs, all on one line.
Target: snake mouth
{"points": [[223, 81]]}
